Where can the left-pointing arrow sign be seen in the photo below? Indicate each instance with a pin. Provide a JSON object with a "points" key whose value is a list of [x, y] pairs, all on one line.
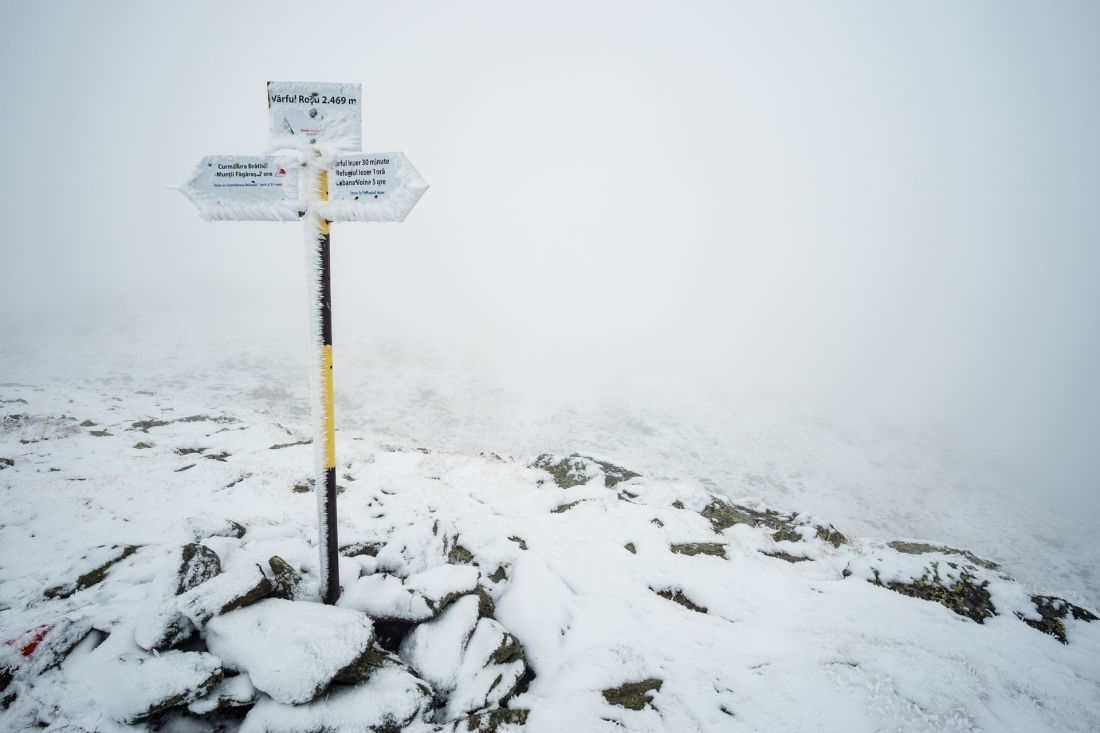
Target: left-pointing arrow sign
{"points": [[245, 188]]}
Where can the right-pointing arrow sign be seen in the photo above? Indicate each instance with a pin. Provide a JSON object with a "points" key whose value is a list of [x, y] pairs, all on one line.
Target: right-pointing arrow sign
{"points": [[371, 187]]}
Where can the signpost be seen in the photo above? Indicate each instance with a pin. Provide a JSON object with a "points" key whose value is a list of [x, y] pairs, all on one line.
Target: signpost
{"points": [[317, 178]]}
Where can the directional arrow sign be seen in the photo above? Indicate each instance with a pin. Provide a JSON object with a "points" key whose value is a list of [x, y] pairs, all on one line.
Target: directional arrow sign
{"points": [[304, 114], [371, 187], [245, 188]]}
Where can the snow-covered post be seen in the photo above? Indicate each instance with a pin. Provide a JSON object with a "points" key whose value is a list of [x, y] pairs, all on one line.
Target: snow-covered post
{"points": [[318, 243], [315, 122]]}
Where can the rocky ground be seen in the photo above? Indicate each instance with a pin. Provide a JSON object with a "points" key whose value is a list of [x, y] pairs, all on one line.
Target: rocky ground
{"points": [[160, 573]]}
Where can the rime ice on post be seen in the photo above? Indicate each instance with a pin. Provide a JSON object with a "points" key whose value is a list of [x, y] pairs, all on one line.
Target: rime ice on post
{"points": [[317, 179]]}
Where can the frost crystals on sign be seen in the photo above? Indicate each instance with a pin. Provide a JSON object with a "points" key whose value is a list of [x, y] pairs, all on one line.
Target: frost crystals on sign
{"points": [[245, 188], [310, 114], [371, 187]]}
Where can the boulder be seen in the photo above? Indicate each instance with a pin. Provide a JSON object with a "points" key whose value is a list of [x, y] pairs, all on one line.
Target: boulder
{"points": [[42, 648], [390, 700], [287, 579], [291, 650]]}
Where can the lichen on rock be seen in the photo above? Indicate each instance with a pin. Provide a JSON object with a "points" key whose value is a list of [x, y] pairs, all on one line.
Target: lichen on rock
{"points": [[715, 549], [965, 594], [633, 695], [577, 470], [1052, 613]]}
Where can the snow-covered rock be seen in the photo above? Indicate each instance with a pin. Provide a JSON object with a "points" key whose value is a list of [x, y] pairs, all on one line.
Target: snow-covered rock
{"points": [[472, 662], [290, 649], [392, 699], [435, 648], [130, 685], [235, 588], [161, 624], [491, 669], [232, 692], [385, 596]]}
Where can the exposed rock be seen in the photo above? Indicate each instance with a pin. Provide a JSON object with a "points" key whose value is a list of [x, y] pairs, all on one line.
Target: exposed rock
{"points": [[519, 541], [291, 650], [232, 692], [700, 548], [40, 649], [280, 446], [920, 548], [201, 529], [166, 681], [493, 666], [389, 701], [162, 625], [145, 425], [487, 722], [633, 695], [104, 558], [435, 648], [221, 456], [1053, 612], [961, 594], [141, 445], [152, 684], [100, 433], [831, 534], [677, 596], [565, 507], [629, 546], [6, 463], [372, 659], [198, 564], [780, 555], [577, 470], [225, 592], [443, 584], [460, 555], [486, 607], [499, 575], [286, 577], [723, 515], [362, 548]]}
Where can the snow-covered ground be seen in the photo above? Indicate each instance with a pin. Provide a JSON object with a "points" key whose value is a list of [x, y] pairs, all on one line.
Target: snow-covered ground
{"points": [[434, 455]]}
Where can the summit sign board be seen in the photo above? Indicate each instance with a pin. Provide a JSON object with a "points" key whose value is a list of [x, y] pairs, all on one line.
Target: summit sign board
{"points": [[318, 177], [315, 114]]}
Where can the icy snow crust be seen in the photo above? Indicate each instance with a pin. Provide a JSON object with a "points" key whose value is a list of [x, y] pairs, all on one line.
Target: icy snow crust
{"points": [[782, 646]]}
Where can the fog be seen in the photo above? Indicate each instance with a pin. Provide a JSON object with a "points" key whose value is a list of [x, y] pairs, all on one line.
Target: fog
{"points": [[879, 210]]}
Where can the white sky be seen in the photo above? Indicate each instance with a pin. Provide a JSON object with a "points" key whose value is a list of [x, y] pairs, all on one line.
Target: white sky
{"points": [[883, 207]]}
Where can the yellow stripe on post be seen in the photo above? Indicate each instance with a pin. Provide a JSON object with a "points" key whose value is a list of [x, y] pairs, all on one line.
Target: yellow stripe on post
{"points": [[330, 416]]}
